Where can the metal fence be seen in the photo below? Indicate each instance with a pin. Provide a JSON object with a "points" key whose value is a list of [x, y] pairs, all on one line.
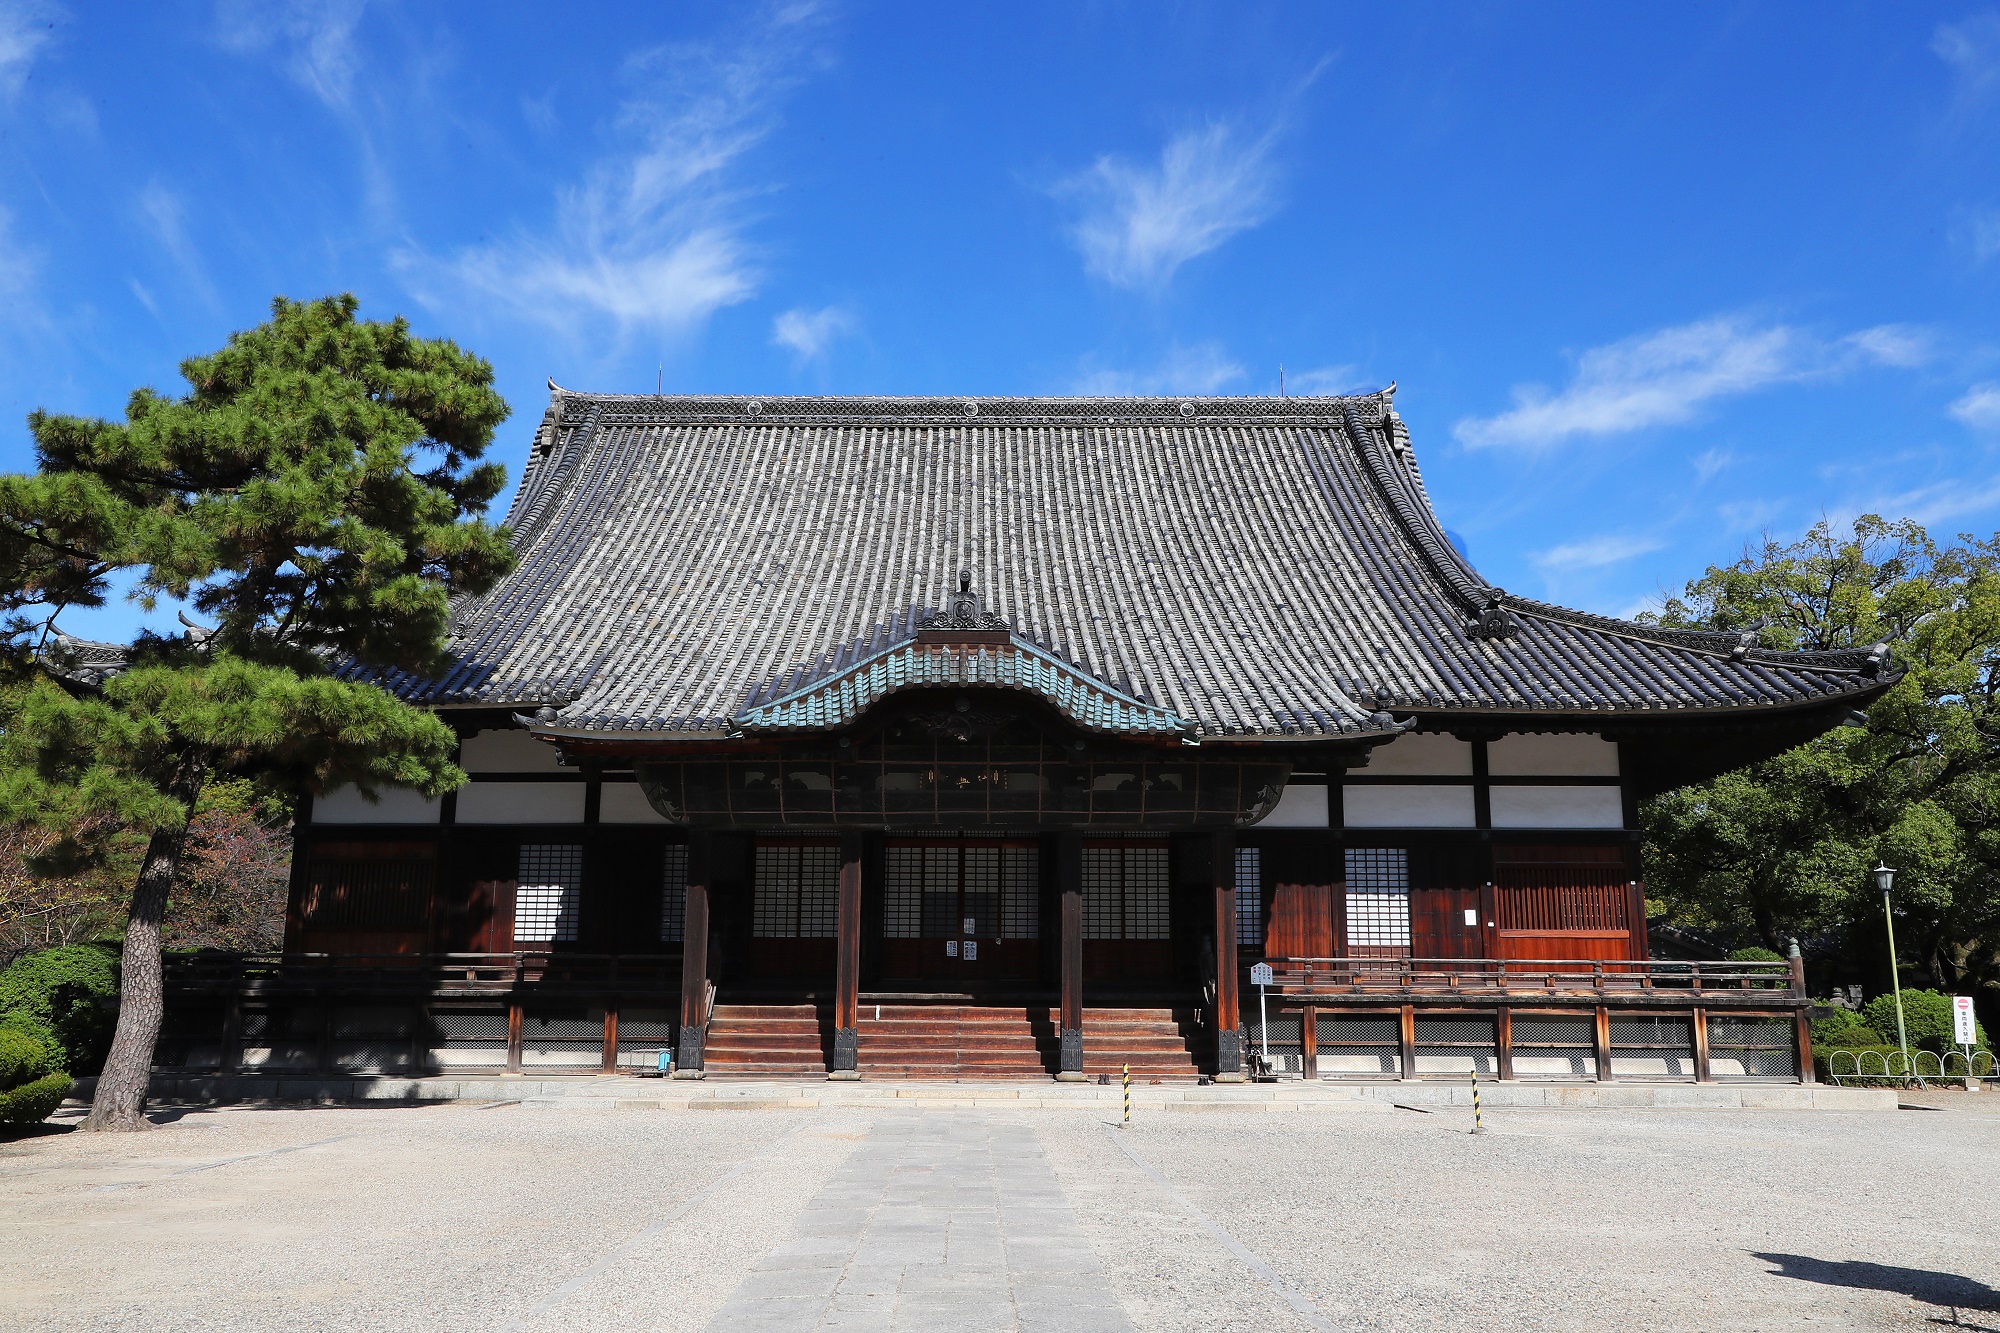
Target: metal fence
{"points": [[1906, 1067]]}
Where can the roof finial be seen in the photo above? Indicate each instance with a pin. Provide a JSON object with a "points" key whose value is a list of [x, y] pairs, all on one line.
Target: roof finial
{"points": [[965, 580]]}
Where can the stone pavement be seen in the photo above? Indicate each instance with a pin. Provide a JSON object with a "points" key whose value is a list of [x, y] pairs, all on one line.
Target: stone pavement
{"points": [[933, 1223]]}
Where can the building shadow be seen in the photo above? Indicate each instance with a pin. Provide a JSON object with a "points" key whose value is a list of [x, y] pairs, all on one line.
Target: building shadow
{"points": [[1958, 1296]]}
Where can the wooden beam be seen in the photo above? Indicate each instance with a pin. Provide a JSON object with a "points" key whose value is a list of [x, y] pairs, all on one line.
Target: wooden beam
{"points": [[1701, 1071], [1069, 884], [1406, 1027], [1600, 1031], [1228, 1014], [1503, 1042], [513, 1036], [847, 963], [1308, 1042], [1802, 1034], [694, 958], [608, 1063]]}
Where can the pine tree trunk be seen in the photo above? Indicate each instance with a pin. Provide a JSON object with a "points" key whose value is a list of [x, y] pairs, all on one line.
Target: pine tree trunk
{"points": [[120, 1103]]}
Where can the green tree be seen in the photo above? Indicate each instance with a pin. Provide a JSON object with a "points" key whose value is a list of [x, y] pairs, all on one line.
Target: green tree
{"points": [[1784, 845], [316, 495]]}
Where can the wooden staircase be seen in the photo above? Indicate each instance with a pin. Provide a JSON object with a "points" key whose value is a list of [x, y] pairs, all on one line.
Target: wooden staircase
{"points": [[955, 1041], [1161, 1044], [765, 1041]]}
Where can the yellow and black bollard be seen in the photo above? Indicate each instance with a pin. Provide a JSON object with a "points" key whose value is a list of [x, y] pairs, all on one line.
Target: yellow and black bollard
{"points": [[1128, 1098], [1478, 1125]]}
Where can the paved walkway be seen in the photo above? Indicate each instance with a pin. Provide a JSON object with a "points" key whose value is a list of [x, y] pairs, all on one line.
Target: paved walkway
{"points": [[933, 1223]]}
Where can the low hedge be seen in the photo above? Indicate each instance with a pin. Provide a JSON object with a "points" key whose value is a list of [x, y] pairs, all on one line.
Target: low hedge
{"points": [[1926, 1019], [32, 1103], [66, 996], [24, 1057]]}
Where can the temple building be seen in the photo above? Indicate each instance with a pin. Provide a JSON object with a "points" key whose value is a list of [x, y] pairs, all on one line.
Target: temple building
{"points": [[1004, 737]]}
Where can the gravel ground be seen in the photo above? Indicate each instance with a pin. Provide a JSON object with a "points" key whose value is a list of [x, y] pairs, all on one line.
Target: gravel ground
{"points": [[542, 1219]]}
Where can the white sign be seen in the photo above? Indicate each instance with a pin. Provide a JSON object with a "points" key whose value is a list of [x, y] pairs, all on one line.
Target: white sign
{"points": [[951, 948], [969, 926], [1963, 1030], [1260, 975], [972, 951]]}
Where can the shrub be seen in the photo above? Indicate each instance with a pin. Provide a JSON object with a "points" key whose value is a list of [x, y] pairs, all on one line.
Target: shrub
{"points": [[1841, 1027], [24, 1057], [64, 995], [32, 1103], [1926, 1018], [1891, 1058], [1756, 954]]}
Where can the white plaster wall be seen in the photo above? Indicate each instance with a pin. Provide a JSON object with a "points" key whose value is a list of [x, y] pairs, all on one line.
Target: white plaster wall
{"points": [[1300, 807], [399, 805], [509, 750], [1408, 807], [520, 803], [1529, 755], [1421, 754], [625, 803], [1557, 807]]}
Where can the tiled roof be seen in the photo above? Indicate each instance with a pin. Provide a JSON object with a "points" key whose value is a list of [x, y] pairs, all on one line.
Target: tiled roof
{"points": [[1243, 566]]}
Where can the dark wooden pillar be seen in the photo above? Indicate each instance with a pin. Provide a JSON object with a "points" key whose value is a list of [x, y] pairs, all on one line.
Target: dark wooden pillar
{"points": [[1228, 1013], [694, 957], [847, 963], [513, 1036], [1601, 1034], [1406, 1032], [1069, 1018], [1802, 1035], [1503, 1043], [1309, 1042], [608, 1061], [1700, 1034]]}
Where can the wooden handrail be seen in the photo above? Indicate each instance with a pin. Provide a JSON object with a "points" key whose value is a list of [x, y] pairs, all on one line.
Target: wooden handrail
{"points": [[1308, 976]]}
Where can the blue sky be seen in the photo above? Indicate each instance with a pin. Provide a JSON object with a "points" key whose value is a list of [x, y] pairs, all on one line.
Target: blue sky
{"points": [[1652, 280]]}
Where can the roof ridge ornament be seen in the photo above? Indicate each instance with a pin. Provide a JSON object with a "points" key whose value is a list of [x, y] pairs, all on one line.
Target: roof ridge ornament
{"points": [[964, 610], [1494, 620]]}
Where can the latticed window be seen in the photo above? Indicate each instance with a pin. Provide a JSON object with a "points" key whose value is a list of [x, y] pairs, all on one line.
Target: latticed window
{"points": [[1378, 898], [387, 890], [1126, 892], [549, 896], [798, 891], [1250, 896], [673, 896], [931, 890]]}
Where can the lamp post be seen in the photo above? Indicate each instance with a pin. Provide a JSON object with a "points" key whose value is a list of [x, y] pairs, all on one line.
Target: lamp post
{"points": [[1885, 879]]}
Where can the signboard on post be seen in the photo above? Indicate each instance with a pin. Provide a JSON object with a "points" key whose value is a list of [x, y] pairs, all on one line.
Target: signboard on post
{"points": [[1260, 975], [1964, 1030]]}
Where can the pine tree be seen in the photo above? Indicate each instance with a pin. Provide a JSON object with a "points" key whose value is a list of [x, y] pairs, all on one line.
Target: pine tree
{"points": [[317, 496]]}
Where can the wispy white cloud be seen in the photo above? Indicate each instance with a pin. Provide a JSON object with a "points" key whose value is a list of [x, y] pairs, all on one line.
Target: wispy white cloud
{"points": [[1204, 367], [812, 333], [1664, 378], [1971, 47], [1711, 461], [24, 30], [1938, 502], [1976, 231], [1139, 222], [1595, 553], [1979, 407], [653, 236], [1748, 515], [313, 39], [1328, 380], [165, 215]]}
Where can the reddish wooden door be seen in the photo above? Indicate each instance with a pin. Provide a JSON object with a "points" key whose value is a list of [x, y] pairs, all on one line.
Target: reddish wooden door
{"points": [[1444, 923], [1567, 903], [1301, 921]]}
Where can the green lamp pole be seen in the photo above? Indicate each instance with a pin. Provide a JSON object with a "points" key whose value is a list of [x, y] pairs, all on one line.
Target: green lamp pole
{"points": [[1885, 879]]}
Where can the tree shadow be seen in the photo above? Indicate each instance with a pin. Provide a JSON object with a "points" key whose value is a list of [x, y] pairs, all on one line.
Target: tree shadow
{"points": [[1958, 1295]]}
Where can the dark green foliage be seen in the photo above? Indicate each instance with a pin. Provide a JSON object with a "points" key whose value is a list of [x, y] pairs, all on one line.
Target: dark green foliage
{"points": [[1756, 954], [32, 1103], [1926, 1019], [1833, 1027], [1783, 847], [64, 996], [24, 1056]]}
